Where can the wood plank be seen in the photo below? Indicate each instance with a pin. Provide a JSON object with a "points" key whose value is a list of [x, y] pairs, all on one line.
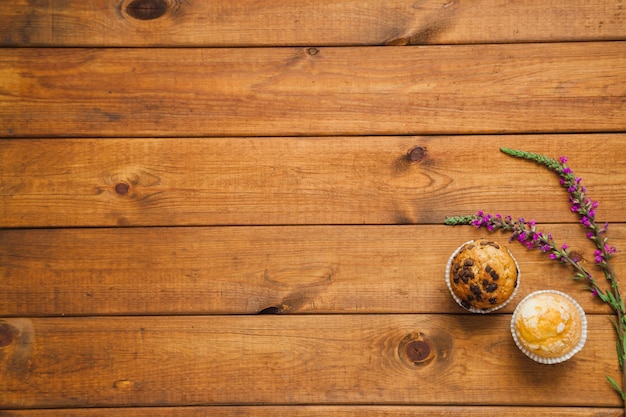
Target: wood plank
{"points": [[310, 359], [335, 180], [235, 270], [285, 23], [468, 89], [324, 411]]}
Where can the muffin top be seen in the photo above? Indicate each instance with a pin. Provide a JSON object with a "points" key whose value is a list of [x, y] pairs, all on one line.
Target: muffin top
{"points": [[483, 275], [548, 324]]}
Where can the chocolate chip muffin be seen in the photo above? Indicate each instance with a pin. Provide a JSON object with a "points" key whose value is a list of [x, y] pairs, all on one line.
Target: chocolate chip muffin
{"points": [[482, 275]]}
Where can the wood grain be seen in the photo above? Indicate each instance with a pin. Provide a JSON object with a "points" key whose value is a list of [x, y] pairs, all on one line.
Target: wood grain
{"points": [[247, 270], [316, 359], [324, 411], [468, 89], [171, 168], [336, 180], [312, 22]]}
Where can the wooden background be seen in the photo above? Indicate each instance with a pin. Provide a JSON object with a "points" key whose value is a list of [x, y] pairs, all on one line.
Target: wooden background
{"points": [[169, 169]]}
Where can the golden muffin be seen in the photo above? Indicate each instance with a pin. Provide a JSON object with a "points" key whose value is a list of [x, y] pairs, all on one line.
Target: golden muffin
{"points": [[549, 326], [482, 275]]}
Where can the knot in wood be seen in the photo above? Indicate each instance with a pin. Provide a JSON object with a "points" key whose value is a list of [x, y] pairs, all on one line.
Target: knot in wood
{"points": [[7, 334], [416, 154], [417, 351], [270, 310], [147, 9], [312, 51], [122, 188]]}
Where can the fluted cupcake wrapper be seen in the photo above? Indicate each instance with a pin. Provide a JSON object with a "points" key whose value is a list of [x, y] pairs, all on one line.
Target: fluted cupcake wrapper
{"points": [[559, 359], [474, 309]]}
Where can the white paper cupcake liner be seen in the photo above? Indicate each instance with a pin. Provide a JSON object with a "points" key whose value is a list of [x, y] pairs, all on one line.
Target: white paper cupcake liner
{"points": [[474, 309], [568, 355]]}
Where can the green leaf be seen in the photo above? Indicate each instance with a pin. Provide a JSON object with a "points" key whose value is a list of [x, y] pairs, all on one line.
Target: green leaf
{"points": [[619, 344], [603, 297], [617, 387], [459, 220], [612, 301], [614, 322]]}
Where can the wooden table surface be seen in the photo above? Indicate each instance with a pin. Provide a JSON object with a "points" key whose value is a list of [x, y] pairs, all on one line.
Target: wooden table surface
{"points": [[235, 208]]}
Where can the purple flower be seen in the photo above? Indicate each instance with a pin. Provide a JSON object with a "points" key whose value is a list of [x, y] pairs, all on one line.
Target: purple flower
{"points": [[599, 257], [563, 159]]}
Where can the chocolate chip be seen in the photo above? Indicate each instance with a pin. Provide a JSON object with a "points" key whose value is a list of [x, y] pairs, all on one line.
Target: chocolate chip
{"points": [[494, 275], [464, 275], [470, 298], [468, 262], [490, 243], [485, 282], [470, 247], [493, 300], [475, 289], [488, 269], [491, 287], [465, 304]]}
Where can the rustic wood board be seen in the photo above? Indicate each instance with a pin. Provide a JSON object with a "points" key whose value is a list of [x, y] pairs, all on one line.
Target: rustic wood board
{"points": [[312, 22], [277, 181], [323, 411], [466, 89], [308, 359], [247, 270]]}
